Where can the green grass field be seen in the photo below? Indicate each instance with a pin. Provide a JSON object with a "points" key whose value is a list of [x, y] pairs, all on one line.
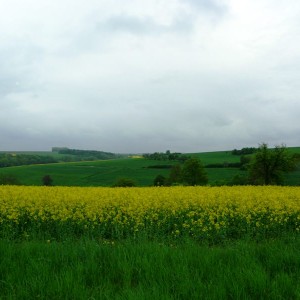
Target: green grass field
{"points": [[105, 173], [96, 173], [216, 157], [91, 269], [102, 173]]}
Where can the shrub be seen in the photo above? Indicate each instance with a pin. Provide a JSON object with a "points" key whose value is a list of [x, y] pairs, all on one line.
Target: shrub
{"points": [[159, 180], [47, 180], [8, 179], [124, 182]]}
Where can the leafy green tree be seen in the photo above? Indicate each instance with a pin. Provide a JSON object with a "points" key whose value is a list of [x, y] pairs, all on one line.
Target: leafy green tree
{"points": [[124, 182], [175, 176], [268, 165], [244, 162], [159, 180], [8, 179], [239, 180], [193, 172], [47, 180]]}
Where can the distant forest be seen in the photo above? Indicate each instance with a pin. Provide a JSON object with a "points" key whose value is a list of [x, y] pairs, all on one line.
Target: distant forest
{"points": [[244, 151], [67, 155], [88, 154], [166, 156], [11, 159]]}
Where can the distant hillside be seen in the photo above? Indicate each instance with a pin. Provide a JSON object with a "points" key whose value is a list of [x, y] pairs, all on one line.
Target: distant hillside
{"points": [[141, 170], [14, 159], [19, 158], [88, 154]]}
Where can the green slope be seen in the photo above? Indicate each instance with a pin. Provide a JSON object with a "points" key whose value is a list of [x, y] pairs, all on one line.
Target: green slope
{"points": [[96, 173], [105, 173], [216, 157]]}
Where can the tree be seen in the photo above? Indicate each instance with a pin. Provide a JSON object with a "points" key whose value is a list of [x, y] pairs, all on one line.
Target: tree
{"points": [[159, 180], [244, 162], [8, 179], [239, 180], [175, 175], [124, 182], [193, 172], [268, 165], [47, 180]]}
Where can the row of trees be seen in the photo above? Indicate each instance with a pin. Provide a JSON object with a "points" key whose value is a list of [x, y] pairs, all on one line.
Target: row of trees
{"points": [[244, 151], [11, 159], [87, 154], [67, 155], [168, 155]]}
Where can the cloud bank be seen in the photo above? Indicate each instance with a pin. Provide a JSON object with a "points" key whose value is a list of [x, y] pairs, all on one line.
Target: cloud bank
{"points": [[145, 76]]}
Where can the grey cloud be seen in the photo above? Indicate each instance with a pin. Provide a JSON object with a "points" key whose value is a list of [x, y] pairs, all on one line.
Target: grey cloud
{"points": [[7, 84], [17, 64], [212, 6], [129, 24], [145, 25], [183, 22]]}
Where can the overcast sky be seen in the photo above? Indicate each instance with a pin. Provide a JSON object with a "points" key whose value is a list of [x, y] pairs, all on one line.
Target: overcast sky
{"points": [[149, 75]]}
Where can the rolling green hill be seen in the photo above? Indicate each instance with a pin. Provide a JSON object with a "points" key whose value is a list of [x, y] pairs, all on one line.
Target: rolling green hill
{"points": [[96, 173], [216, 157], [142, 171]]}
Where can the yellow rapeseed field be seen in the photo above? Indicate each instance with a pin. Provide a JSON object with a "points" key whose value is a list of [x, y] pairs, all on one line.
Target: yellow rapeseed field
{"points": [[200, 212]]}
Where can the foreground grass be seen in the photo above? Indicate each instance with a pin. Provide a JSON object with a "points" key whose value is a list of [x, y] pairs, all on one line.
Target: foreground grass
{"points": [[90, 269]]}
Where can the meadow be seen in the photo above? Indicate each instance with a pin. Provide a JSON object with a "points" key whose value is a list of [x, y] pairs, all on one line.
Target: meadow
{"points": [[95, 173]]}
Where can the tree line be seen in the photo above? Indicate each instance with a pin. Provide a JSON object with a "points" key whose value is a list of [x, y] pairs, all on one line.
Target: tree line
{"points": [[10, 160], [71, 155], [88, 154], [168, 155], [244, 151]]}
